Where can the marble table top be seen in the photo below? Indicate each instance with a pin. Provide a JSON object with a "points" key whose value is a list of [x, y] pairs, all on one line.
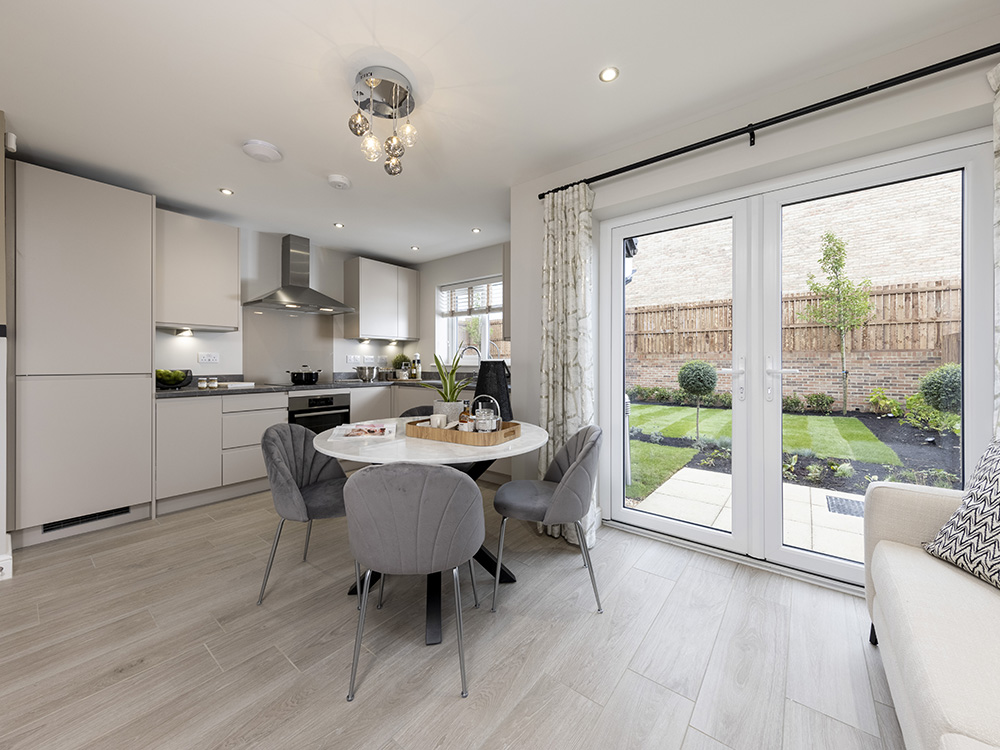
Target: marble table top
{"points": [[402, 448]]}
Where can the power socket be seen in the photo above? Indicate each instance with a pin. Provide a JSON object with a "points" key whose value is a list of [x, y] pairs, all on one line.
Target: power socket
{"points": [[208, 358], [354, 359]]}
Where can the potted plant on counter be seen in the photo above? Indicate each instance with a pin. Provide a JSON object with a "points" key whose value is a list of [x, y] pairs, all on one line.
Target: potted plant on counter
{"points": [[450, 389], [401, 364]]}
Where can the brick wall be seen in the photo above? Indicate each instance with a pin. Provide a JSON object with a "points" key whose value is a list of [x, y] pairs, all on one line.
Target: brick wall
{"points": [[902, 233], [897, 372]]}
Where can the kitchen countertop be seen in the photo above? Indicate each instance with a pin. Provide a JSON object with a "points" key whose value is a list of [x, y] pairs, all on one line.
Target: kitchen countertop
{"points": [[192, 390]]}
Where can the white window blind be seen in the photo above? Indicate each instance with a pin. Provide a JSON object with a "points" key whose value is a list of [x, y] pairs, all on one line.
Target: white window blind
{"points": [[471, 298]]}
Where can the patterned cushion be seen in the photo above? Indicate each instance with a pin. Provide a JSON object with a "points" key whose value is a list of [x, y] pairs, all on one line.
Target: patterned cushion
{"points": [[971, 537]]}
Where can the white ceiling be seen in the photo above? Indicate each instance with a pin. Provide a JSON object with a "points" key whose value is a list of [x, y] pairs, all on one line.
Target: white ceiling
{"points": [[159, 96]]}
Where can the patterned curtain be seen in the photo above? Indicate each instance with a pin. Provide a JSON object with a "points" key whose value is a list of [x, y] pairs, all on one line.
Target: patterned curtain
{"points": [[567, 380], [994, 77]]}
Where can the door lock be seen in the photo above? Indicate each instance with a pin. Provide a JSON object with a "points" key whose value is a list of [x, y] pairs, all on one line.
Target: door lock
{"points": [[739, 378], [770, 371]]}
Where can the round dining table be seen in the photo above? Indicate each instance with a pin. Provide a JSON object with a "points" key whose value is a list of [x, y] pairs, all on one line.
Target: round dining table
{"points": [[474, 459]]}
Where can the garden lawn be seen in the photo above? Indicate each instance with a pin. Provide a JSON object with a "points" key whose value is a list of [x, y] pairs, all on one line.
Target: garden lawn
{"points": [[837, 437], [652, 465], [826, 436], [679, 421]]}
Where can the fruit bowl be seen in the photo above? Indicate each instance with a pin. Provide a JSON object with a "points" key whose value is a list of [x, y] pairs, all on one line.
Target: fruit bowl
{"points": [[172, 379]]}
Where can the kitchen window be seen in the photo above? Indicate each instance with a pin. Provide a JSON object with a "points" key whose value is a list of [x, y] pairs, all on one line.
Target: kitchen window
{"points": [[470, 313]]}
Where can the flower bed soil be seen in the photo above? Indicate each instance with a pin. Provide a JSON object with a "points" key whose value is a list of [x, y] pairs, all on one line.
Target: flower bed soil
{"points": [[925, 456]]}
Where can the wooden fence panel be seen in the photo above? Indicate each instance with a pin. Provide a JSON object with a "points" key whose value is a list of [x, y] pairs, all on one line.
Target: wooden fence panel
{"points": [[922, 316]]}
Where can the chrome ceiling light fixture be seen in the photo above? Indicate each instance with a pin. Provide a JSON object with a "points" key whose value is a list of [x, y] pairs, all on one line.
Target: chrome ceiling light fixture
{"points": [[385, 93]]}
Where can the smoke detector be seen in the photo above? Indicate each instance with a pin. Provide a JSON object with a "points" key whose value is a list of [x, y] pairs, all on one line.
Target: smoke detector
{"points": [[339, 181], [262, 151]]}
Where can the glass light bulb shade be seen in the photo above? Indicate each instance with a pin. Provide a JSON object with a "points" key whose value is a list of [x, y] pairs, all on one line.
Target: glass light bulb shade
{"points": [[394, 146], [408, 134], [358, 124], [393, 165], [371, 147]]}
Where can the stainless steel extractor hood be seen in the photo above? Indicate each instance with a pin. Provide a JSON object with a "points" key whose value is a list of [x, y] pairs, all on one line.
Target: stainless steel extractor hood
{"points": [[295, 294]]}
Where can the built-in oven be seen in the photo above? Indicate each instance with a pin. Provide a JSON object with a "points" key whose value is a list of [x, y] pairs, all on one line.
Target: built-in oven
{"points": [[321, 412]]}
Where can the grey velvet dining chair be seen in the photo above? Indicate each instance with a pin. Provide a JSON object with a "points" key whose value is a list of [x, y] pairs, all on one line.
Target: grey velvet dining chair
{"points": [[412, 519], [563, 495], [305, 483], [418, 411]]}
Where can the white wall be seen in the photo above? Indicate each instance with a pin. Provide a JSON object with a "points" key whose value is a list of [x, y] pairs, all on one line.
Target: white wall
{"points": [[948, 103], [475, 264]]}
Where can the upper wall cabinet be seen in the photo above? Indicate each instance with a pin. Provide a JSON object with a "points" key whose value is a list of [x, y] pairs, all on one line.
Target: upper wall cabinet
{"points": [[385, 297], [83, 277], [197, 273]]}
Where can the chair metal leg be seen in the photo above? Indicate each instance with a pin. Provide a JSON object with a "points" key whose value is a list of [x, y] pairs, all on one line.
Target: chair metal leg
{"points": [[872, 636], [496, 581], [357, 581], [458, 625], [361, 628], [305, 550], [381, 590], [587, 563], [270, 560], [472, 577]]}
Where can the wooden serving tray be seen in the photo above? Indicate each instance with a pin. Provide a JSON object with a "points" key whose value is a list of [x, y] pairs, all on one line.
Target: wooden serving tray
{"points": [[422, 429]]}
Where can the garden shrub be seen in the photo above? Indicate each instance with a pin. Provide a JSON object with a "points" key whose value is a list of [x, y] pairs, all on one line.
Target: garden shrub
{"points": [[792, 403], [922, 415], [788, 467], [883, 404], [814, 472], [942, 388], [844, 470], [697, 377], [820, 402]]}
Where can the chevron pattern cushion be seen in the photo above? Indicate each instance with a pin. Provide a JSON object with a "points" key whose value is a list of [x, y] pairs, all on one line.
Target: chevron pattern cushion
{"points": [[971, 537]]}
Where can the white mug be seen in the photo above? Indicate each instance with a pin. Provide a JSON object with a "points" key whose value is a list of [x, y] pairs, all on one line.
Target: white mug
{"points": [[438, 420]]}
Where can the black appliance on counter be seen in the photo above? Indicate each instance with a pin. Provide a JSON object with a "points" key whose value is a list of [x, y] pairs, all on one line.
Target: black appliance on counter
{"points": [[320, 413]]}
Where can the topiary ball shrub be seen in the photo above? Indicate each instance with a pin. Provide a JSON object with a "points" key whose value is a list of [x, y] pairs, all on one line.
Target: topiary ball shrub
{"points": [[697, 377], [942, 388]]}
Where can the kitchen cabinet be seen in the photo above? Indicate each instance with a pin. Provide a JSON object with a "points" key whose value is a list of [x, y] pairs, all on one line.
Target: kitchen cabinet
{"points": [[188, 435], [197, 273], [205, 442], [385, 298], [373, 402], [83, 275], [244, 419], [84, 445]]}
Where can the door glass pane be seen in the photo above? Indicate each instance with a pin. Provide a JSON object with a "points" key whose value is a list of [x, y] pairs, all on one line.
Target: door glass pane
{"points": [[678, 336], [871, 310]]}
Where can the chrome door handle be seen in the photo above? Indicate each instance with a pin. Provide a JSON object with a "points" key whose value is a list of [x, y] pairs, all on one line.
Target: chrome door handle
{"points": [[739, 379], [771, 371]]}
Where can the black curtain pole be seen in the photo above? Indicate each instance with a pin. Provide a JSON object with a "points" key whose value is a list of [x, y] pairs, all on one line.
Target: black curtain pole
{"points": [[751, 129]]}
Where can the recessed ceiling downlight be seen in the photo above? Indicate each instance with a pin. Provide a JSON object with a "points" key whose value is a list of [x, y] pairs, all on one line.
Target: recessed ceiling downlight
{"points": [[608, 74], [225, 191], [262, 151]]}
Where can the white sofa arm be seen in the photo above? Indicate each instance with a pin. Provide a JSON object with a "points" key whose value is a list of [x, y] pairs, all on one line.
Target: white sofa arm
{"points": [[907, 513]]}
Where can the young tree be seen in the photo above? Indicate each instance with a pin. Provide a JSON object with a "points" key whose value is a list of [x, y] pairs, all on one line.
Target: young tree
{"points": [[843, 305], [698, 378]]}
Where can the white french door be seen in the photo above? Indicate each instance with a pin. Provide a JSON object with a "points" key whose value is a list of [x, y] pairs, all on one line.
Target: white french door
{"points": [[725, 280]]}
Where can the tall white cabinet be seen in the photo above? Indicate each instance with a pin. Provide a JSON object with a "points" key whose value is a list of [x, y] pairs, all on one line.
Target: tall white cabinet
{"points": [[83, 346]]}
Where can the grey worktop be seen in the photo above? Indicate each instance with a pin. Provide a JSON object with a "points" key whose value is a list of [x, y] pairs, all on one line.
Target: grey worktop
{"points": [[192, 390]]}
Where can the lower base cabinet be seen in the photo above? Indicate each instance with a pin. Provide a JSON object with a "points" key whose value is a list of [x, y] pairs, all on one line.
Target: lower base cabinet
{"points": [[188, 436], [204, 442]]}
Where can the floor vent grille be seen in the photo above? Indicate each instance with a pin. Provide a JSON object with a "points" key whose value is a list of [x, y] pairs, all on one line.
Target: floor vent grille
{"points": [[55, 525]]}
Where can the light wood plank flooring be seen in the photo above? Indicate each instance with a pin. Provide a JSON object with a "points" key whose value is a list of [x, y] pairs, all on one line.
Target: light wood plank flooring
{"points": [[149, 636]]}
